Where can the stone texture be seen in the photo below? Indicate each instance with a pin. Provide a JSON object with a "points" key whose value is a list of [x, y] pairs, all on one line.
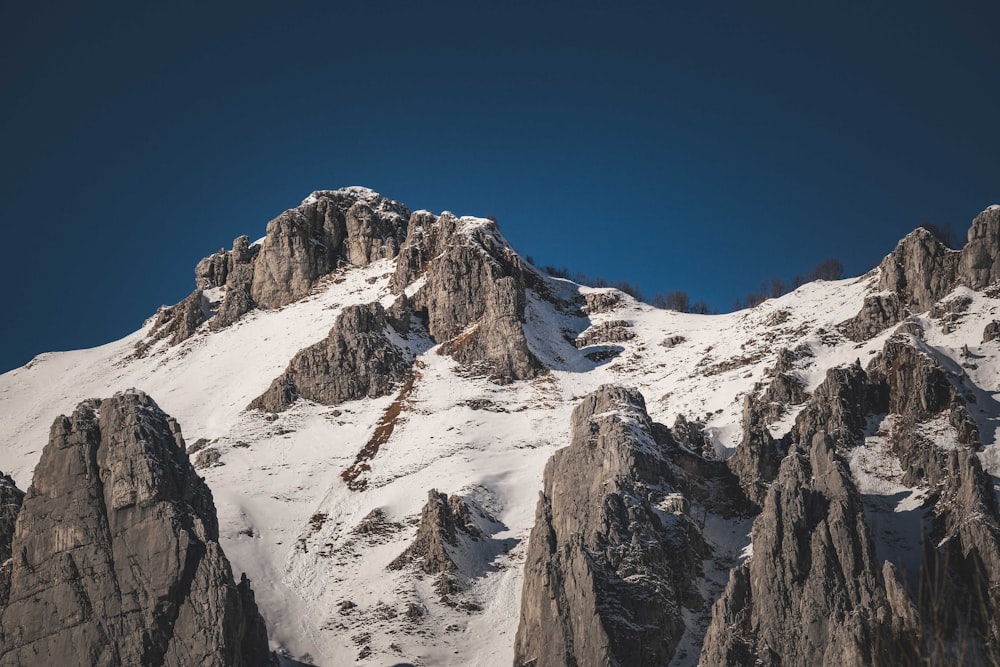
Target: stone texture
{"points": [[992, 331], [838, 407], [922, 270], [878, 313], [812, 593], [10, 504], [473, 295], [356, 360], [612, 331], [606, 573], [951, 617], [176, 323], [758, 454], [783, 390], [442, 521], [919, 271], [238, 299], [116, 555], [979, 266], [691, 434], [601, 302], [350, 226]]}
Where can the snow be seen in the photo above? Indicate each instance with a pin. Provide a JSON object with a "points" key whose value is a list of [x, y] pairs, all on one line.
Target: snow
{"points": [[287, 518]]}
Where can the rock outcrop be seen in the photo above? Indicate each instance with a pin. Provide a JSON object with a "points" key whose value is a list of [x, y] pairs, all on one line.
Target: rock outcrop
{"points": [[473, 293], [991, 331], [10, 504], [607, 572], [442, 521], [919, 271], [856, 612], [331, 227], [922, 270], [176, 323], [758, 455], [839, 407], [979, 265], [602, 302], [812, 592], [356, 360], [116, 559], [238, 299]]}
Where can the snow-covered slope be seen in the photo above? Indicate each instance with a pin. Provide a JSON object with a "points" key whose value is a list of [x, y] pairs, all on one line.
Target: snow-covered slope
{"points": [[290, 521]]}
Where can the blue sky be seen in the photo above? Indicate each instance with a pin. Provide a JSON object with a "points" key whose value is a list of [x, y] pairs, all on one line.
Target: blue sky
{"points": [[697, 146]]}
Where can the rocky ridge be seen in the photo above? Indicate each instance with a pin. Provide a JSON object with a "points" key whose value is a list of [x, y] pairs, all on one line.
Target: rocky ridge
{"points": [[607, 572], [863, 441], [116, 559]]}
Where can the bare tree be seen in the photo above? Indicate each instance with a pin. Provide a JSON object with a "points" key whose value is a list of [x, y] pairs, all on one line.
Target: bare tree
{"points": [[828, 269]]}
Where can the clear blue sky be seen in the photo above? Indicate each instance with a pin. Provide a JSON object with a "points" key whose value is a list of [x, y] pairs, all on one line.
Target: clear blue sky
{"points": [[696, 146]]}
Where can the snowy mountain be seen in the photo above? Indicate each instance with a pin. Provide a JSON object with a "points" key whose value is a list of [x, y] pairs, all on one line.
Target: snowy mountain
{"points": [[377, 398]]}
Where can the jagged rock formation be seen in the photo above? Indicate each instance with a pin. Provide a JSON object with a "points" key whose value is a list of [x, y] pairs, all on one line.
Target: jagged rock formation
{"points": [[812, 593], [601, 302], [922, 270], [979, 265], [951, 617], [606, 573], [356, 360], [448, 533], [442, 520], [10, 504], [992, 331], [878, 313], [116, 559], [691, 434], [176, 323], [473, 292], [473, 295], [758, 455], [238, 282], [613, 331], [839, 407], [351, 225]]}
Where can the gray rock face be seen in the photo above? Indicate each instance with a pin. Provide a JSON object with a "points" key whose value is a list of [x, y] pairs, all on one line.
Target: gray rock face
{"points": [[980, 262], [613, 331], [473, 299], [238, 283], [922, 270], [992, 331], [601, 302], [606, 572], [758, 455], [473, 294], [839, 407], [176, 323], [10, 504], [442, 520], [212, 270], [812, 592], [783, 390], [691, 434], [351, 225], [878, 313], [356, 360], [116, 555]]}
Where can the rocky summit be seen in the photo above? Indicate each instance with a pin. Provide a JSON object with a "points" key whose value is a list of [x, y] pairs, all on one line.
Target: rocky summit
{"points": [[422, 450]]}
